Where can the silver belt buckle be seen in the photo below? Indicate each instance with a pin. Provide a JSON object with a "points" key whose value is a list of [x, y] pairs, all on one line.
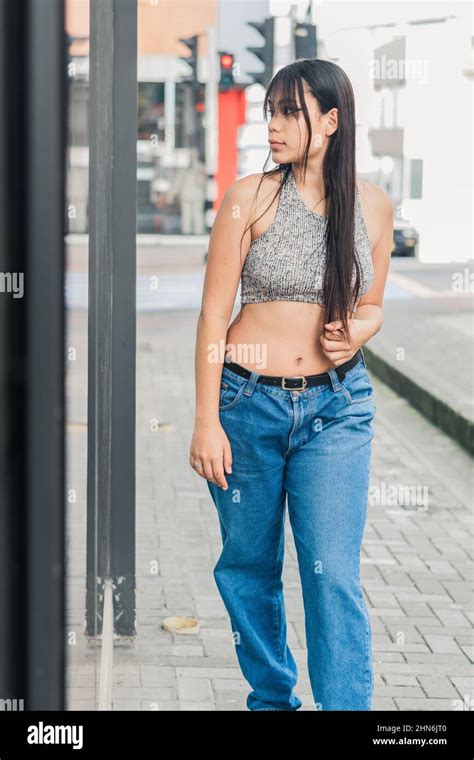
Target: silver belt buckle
{"points": [[294, 378]]}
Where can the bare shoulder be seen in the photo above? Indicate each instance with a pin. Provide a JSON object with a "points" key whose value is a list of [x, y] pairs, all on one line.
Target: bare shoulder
{"points": [[376, 200], [245, 189]]}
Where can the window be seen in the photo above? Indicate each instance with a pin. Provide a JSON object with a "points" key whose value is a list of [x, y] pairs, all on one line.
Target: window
{"points": [[416, 178]]}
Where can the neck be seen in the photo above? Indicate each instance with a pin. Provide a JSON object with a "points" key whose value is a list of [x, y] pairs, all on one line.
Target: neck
{"points": [[314, 176]]}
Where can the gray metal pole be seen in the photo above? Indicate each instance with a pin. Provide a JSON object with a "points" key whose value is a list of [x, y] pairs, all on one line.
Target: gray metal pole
{"points": [[190, 114], [210, 123], [112, 312]]}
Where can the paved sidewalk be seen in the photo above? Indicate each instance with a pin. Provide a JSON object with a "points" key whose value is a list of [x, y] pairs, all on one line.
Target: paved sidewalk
{"points": [[416, 563], [424, 350]]}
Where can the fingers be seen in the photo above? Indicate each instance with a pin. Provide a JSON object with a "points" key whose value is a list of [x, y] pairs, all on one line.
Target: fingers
{"points": [[197, 464], [228, 459], [338, 357], [218, 473], [333, 334], [329, 345], [210, 469], [207, 470], [336, 352], [340, 360]]}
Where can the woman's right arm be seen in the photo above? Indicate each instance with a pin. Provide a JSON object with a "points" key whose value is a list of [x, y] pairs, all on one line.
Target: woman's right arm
{"points": [[210, 444]]}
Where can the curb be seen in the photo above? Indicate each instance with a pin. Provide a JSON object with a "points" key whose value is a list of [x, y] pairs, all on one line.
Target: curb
{"points": [[442, 415]]}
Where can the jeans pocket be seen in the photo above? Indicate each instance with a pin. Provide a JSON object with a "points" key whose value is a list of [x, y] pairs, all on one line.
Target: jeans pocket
{"points": [[230, 393], [357, 387]]}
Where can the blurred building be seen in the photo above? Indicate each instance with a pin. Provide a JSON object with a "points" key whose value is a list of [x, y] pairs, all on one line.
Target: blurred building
{"points": [[167, 195], [412, 78]]}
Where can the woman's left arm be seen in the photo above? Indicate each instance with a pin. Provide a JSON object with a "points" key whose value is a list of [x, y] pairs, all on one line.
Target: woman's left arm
{"points": [[367, 319], [369, 309]]}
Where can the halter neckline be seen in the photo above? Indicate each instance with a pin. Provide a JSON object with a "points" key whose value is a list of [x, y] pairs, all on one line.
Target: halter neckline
{"points": [[300, 199]]}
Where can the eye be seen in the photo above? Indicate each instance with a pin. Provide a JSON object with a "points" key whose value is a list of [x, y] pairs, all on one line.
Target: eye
{"points": [[286, 111], [289, 111]]}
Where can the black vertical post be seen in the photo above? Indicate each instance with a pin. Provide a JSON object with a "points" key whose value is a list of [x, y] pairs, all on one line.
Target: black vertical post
{"points": [[32, 225], [112, 320], [13, 509]]}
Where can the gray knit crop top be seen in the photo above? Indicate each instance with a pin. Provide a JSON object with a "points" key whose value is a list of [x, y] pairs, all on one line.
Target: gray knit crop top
{"points": [[286, 262]]}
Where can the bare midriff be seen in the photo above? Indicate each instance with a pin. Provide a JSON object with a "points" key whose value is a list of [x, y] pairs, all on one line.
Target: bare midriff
{"points": [[278, 338]]}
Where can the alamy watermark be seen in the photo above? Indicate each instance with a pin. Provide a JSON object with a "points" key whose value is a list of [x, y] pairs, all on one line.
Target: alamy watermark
{"points": [[399, 69], [11, 705], [12, 282], [242, 353]]}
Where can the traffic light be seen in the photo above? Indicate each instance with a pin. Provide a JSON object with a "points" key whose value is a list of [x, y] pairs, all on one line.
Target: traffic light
{"points": [[191, 60], [226, 81], [200, 100], [304, 36], [266, 53]]}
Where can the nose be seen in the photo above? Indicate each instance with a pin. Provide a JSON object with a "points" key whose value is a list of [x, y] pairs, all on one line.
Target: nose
{"points": [[273, 121], [272, 127]]}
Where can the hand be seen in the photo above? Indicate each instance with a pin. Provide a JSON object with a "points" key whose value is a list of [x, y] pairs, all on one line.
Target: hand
{"points": [[211, 449], [335, 347]]}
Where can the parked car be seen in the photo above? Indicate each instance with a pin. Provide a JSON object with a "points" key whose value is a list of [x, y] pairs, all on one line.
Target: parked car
{"points": [[149, 219], [405, 238]]}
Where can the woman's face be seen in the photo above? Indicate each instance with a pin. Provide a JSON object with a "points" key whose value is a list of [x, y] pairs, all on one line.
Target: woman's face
{"points": [[287, 131]]}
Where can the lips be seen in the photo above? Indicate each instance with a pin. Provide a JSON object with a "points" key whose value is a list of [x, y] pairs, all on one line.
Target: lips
{"points": [[275, 144]]}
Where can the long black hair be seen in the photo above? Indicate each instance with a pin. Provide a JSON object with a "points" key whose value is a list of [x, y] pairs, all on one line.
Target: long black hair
{"points": [[332, 88]]}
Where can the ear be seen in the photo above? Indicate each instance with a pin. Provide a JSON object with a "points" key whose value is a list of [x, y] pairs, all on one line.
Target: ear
{"points": [[333, 121]]}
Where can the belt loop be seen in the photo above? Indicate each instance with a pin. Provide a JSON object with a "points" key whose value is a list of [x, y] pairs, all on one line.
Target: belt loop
{"points": [[251, 383], [334, 379]]}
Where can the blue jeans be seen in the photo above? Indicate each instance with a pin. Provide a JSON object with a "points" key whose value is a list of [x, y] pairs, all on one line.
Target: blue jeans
{"points": [[310, 449]]}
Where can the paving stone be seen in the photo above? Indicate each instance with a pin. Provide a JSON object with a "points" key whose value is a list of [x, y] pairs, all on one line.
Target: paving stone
{"points": [[437, 686], [398, 680], [423, 704], [194, 689], [399, 691]]}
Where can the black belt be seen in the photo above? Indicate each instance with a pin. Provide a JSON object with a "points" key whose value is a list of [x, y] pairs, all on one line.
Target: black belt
{"points": [[299, 382]]}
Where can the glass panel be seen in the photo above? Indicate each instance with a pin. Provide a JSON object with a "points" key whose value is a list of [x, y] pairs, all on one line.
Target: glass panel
{"points": [[82, 652]]}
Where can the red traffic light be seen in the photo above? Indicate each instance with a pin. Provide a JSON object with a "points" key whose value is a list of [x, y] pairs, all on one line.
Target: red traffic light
{"points": [[227, 61]]}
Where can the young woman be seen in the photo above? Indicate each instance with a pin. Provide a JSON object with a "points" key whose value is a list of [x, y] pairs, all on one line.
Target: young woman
{"points": [[287, 418]]}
